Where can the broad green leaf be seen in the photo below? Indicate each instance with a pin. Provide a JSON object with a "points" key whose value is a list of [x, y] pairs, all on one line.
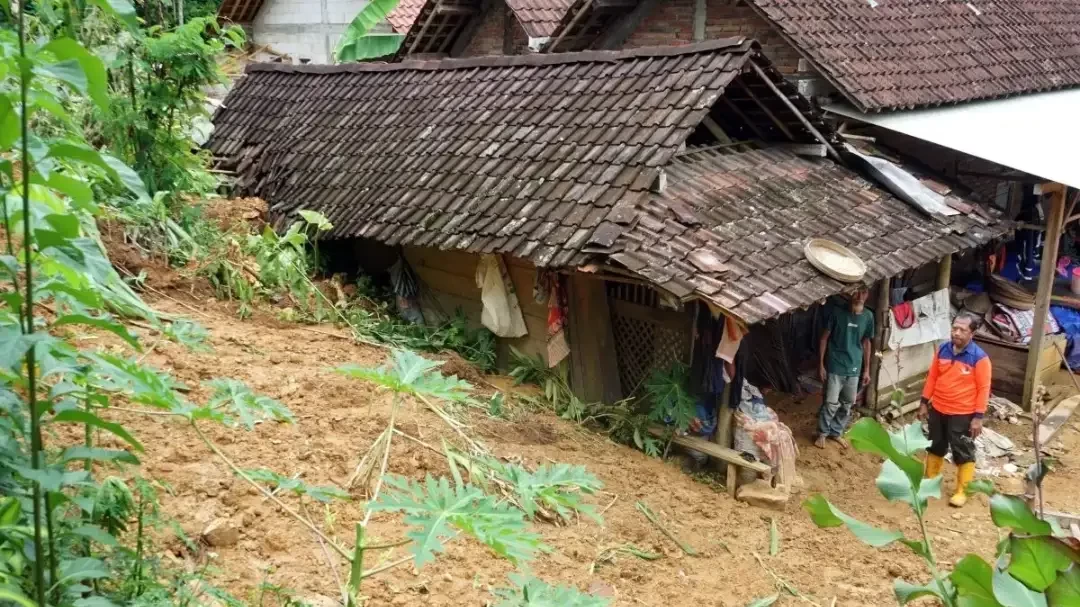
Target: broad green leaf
{"points": [[104, 323], [123, 9], [435, 509], [557, 487], [1065, 592], [89, 419], [51, 479], [973, 579], [906, 592], [9, 511], [1009, 511], [316, 219], [78, 190], [358, 42], [910, 440], [10, 127], [981, 485], [825, 515], [95, 533], [93, 69], [868, 436], [80, 452], [895, 485], [13, 594], [127, 176], [1036, 561], [77, 570], [370, 46], [68, 71], [768, 601], [919, 547], [1011, 593]]}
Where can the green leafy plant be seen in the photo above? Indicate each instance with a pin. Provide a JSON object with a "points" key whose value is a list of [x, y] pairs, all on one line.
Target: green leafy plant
{"points": [[526, 369], [360, 41], [1033, 567], [530, 592]]}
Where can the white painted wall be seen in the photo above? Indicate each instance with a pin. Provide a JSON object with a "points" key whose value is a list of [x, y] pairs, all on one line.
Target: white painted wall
{"points": [[304, 29]]}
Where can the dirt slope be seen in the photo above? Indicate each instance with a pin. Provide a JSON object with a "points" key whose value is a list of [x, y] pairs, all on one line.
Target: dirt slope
{"points": [[337, 418]]}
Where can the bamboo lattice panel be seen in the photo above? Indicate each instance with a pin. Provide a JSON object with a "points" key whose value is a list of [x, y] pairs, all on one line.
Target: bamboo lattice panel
{"points": [[647, 338]]}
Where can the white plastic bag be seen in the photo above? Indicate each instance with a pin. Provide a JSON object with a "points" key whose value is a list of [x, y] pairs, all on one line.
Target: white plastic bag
{"points": [[501, 314]]}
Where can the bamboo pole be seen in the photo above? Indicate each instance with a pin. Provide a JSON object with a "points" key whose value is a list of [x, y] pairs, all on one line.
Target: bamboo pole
{"points": [[944, 276], [881, 309], [1047, 272]]}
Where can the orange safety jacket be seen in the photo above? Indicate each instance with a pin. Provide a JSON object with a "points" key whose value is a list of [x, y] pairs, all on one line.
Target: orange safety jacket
{"points": [[959, 383]]}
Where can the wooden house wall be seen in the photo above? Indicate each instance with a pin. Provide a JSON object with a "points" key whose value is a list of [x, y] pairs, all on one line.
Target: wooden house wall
{"points": [[449, 282]]}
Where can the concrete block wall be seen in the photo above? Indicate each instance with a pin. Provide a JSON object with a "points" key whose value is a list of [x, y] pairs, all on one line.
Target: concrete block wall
{"points": [[672, 23], [304, 29]]}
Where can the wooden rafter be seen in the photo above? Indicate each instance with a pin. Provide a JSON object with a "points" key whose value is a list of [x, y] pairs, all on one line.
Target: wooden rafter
{"points": [[423, 29], [779, 124], [746, 119], [569, 26], [794, 110]]}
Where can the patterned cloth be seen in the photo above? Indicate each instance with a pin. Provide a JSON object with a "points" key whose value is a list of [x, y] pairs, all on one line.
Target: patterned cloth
{"points": [[774, 442]]}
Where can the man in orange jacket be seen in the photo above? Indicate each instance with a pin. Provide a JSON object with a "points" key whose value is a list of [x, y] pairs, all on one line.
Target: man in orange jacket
{"points": [[954, 401]]}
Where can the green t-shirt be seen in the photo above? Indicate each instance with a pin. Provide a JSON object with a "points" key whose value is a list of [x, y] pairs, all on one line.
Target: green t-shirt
{"points": [[844, 350]]}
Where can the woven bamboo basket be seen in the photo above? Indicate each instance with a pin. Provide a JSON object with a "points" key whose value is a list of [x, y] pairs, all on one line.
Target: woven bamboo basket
{"points": [[822, 254]]}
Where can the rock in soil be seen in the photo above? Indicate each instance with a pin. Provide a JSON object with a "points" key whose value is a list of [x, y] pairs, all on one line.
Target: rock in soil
{"points": [[759, 493], [221, 533]]}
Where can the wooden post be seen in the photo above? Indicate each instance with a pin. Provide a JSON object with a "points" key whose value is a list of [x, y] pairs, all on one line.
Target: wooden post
{"points": [[724, 435], [881, 309], [594, 369], [699, 20], [944, 275], [1054, 221]]}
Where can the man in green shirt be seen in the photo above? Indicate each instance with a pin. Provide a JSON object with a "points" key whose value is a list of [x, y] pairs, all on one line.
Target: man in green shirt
{"points": [[844, 352]]}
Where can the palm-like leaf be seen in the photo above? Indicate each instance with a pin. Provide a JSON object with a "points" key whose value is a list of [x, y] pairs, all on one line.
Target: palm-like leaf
{"points": [[531, 592], [436, 511], [359, 43], [410, 373], [233, 402]]}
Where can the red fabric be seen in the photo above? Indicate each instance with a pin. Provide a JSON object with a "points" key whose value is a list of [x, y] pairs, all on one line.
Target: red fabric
{"points": [[904, 314]]}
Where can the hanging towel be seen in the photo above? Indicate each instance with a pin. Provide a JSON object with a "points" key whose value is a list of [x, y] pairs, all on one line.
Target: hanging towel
{"points": [[904, 315], [557, 346], [729, 342], [502, 313], [932, 322]]}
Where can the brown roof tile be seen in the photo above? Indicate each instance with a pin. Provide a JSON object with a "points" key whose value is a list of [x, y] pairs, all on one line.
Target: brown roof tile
{"points": [[539, 18], [748, 224], [893, 54], [373, 147]]}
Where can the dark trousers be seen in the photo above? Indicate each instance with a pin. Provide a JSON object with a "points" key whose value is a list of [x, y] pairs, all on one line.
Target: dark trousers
{"points": [[952, 431]]}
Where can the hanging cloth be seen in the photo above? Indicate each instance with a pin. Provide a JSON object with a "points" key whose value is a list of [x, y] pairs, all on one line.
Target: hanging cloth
{"points": [[406, 291], [501, 313], [557, 346], [729, 342]]}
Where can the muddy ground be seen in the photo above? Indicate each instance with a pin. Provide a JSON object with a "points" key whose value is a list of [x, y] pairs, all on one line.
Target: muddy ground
{"points": [[337, 419]]}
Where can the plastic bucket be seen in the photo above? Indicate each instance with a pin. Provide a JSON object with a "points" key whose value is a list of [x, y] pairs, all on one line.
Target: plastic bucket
{"points": [[1076, 281]]}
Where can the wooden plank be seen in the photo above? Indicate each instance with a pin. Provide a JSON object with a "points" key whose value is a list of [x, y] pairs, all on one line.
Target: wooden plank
{"points": [[668, 318], [730, 456], [1054, 223], [1057, 418], [880, 310], [944, 272], [594, 369], [550, 48]]}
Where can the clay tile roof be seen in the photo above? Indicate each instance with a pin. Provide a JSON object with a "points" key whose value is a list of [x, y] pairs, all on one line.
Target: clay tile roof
{"points": [[731, 226], [404, 15], [539, 17], [893, 54], [522, 155]]}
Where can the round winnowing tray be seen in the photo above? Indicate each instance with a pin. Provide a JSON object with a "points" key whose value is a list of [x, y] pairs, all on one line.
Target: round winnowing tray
{"points": [[834, 260]]}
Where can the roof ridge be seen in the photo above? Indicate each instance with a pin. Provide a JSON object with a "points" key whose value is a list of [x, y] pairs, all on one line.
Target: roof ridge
{"points": [[739, 45]]}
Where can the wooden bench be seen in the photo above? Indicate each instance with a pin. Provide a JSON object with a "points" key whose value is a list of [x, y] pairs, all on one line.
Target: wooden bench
{"points": [[732, 457]]}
